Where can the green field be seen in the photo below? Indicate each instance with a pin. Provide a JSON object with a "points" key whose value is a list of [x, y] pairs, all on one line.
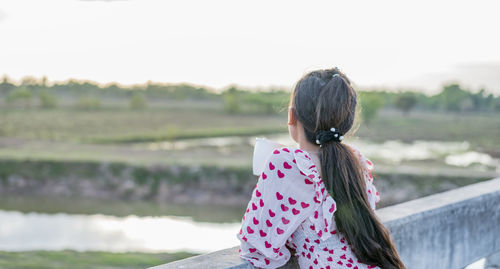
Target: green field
{"points": [[76, 260], [107, 134]]}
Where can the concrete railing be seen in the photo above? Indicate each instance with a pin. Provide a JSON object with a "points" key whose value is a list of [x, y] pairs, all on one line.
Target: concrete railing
{"points": [[446, 230]]}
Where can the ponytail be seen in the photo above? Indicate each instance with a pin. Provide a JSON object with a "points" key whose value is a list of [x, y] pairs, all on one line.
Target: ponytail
{"points": [[343, 177], [323, 99]]}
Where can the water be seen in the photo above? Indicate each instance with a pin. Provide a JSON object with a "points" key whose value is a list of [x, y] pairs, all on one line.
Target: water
{"points": [[392, 152], [40, 231]]}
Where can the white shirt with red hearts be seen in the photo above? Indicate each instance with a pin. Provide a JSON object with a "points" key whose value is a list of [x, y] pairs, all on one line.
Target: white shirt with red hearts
{"points": [[291, 207]]}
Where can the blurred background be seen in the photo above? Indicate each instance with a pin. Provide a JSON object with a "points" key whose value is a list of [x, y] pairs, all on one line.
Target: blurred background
{"points": [[127, 127]]}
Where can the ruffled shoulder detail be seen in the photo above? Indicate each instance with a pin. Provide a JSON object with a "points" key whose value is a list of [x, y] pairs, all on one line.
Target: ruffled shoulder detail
{"points": [[371, 191], [324, 204]]}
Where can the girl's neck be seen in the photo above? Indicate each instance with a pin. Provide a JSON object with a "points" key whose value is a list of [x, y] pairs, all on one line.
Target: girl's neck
{"points": [[308, 146]]}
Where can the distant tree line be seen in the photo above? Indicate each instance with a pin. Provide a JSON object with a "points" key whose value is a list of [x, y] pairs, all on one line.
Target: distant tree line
{"points": [[32, 92]]}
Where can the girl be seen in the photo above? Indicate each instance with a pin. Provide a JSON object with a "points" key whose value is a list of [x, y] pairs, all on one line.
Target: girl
{"points": [[317, 201]]}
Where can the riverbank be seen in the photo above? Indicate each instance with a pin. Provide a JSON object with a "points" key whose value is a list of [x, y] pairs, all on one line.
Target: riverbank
{"points": [[195, 184]]}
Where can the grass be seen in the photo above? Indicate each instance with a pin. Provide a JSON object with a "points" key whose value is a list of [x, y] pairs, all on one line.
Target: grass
{"points": [[125, 125], [169, 135], [183, 120], [480, 129], [77, 260], [110, 133]]}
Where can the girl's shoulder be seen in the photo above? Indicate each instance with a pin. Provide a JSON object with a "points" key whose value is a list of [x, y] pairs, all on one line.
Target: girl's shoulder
{"points": [[367, 163], [298, 159]]}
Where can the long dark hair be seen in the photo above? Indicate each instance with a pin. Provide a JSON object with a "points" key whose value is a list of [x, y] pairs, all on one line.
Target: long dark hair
{"points": [[321, 101]]}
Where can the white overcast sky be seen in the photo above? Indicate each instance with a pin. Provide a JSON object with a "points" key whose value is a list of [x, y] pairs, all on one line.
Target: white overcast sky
{"points": [[397, 44]]}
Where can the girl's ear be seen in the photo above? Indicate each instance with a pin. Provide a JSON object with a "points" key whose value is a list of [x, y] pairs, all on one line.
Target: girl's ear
{"points": [[292, 120]]}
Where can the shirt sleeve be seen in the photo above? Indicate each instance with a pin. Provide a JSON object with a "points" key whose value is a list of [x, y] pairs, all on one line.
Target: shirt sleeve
{"points": [[281, 200]]}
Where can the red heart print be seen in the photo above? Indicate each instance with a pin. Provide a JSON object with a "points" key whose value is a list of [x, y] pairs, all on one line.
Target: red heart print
{"points": [[332, 208], [320, 233], [264, 176], [355, 267], [262, 233], [257, 193], [328, 267], [287, 166], [333, 232], [308, 241], [350, 260], [325, 249], [307, 181], [302, 173], [316, 214], [311, 176], [244, 238], [269, 224], [279, 231], [267, 244], [342, 240], [340, 262], [254, 207], [267, 261], [291, 200], [280, 174], [330, 251], [304, 205], [349, 265], [312, 227], [285, 221], [252, 250], [330, 259], [279, 196], [295, 211], [276, 151], [271, 213], [315, 261], [316, 241], [316, 200], [261, 203], [271, 166], [368, 162], [344, 248], [249, 230], [309, 255], [294, 161], [284, 207], [298, 150], [343, 256], [255, 221], [286, 149], [276, 250], [311, 249]]}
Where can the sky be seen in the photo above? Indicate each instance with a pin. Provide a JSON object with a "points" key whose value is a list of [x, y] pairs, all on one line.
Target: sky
{"points": [[418, 45]]}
